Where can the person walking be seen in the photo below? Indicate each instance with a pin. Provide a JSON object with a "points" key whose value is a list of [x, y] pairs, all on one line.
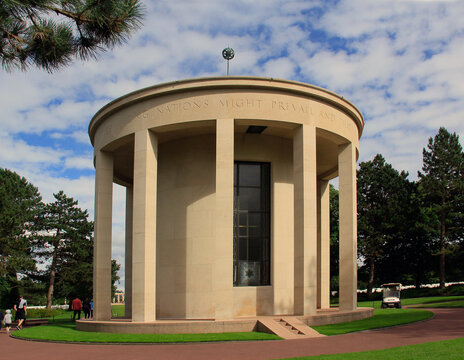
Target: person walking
{"points": [[7, 320], [86, 308], [21, 312], [77, 308]]}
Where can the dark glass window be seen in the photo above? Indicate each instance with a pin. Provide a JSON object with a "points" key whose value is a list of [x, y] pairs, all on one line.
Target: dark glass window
{"points": [[252, 223]]}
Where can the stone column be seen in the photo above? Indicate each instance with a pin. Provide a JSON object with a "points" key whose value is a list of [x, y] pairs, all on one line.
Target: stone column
{"points": [[223, 262], [305, 220], [128, 256], [323, 245], [348, 226], [102, 235], [144, 227]]}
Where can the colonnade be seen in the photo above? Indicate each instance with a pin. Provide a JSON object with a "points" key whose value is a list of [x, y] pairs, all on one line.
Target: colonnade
{"points": [[311, 227]]}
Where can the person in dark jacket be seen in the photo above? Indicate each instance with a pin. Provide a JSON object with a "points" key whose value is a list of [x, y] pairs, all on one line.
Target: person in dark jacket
{"points": [[86, 308]]}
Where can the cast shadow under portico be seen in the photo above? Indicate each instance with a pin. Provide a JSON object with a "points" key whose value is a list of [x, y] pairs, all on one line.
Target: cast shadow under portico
{"points": [[185, 225]]}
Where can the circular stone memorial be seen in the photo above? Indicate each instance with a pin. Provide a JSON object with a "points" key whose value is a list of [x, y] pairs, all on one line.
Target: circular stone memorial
{"points": [[227, 198]]}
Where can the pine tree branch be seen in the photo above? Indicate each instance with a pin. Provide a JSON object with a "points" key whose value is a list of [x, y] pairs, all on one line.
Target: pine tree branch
{"points": [[69, 14], [31, 17], [11, 35], [79, 18], [31, 36], [16, 37]]}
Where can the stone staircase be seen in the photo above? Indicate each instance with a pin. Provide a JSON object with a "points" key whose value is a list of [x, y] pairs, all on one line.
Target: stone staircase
{"points": [[287, 327]]}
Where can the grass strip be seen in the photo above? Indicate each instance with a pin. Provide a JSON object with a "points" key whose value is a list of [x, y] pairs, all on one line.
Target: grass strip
{"points": [[67, 332], [118, 309], [446, 349], [446, 304], [382, 318], [413, 301]]}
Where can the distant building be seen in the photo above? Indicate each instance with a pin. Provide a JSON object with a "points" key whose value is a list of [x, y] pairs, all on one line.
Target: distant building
{"points": [[227, 198], [118, 297]]}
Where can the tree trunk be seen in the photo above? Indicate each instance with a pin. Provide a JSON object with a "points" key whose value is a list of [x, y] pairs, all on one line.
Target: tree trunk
{"points": [[417, 281], [442, 253], [51, 283], [370, 283]]}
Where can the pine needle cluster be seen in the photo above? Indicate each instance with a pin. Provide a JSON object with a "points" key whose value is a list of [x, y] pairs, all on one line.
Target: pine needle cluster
{"points": [[49, 34]]}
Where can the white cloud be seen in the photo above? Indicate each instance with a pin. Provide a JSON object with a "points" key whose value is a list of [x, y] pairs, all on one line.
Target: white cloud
{"points": [[80, 136], [280, 68], [18, 151], [82, 163]]}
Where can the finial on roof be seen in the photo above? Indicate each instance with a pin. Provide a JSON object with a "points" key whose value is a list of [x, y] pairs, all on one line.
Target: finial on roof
{"points": [[228, 54]]}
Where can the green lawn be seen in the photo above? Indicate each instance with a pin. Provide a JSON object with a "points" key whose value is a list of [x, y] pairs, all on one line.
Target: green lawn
{"points": [[118, 310], [67, 332], [382, 318], [61, 329], [446, 304], [448, 349], [413, 301]]}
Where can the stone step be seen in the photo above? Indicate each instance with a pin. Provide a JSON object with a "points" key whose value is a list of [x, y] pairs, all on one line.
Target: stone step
{"points": [[288, 327]]}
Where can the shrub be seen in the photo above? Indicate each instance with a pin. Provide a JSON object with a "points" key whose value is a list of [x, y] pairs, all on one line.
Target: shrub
{"points": [[452, 290], [41, 313]]}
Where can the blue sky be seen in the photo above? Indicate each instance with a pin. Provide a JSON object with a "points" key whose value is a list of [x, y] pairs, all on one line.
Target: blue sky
{"points": [[399, 61]]}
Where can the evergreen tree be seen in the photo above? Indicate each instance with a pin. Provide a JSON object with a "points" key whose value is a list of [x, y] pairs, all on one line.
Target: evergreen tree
{"points": [[115, 267], [407, 257], [382, 192], [442, 184], [334, 239], [20, 203], [63, 238], [50, 33], [74, 275]]}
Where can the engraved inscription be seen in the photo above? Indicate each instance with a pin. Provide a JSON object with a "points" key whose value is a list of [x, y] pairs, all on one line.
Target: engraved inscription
{"points": [[327, 116], [241, 103], [182, 106], [175, 107], [227, 103], [332, 118], [289, 106]]}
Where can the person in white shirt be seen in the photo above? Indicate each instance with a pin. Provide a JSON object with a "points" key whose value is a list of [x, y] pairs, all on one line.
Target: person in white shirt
{"points": [[21, 312], [7, 320]]}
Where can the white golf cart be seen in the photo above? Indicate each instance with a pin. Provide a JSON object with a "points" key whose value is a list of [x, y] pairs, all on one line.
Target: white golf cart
{"points": [[391, 295]]}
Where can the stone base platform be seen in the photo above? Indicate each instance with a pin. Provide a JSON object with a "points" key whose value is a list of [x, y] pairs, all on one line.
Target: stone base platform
{"points": [[292, 325]]}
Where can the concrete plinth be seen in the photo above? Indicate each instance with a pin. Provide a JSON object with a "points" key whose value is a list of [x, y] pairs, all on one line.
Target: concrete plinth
{"points": [[120, 326]]}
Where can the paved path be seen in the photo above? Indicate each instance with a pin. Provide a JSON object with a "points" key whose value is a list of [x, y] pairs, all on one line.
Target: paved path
{"points": [[446, 324]]}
